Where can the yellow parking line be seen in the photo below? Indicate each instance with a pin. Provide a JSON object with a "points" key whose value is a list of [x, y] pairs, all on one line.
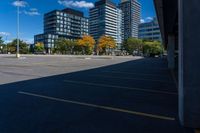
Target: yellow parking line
{"points": [[120, 87], [99, 106]]}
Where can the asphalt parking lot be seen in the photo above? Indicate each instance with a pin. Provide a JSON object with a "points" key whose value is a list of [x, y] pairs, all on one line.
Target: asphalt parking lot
{"points": [[62, 94]]}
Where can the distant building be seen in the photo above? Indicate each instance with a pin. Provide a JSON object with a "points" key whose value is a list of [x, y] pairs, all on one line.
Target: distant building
{"points": [[132, 12], [106, 19], [67, 23], [150, 31]]}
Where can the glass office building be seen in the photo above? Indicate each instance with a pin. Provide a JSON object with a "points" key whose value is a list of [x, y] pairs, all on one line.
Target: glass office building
{"points": [[106, 19], [67, 23], [150, 31], [132, 13]]}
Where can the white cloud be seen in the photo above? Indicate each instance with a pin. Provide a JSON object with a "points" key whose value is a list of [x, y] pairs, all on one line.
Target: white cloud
{"points": [[78, 4], [32, 12], [147, 19], [142, 20], [4, 34], [20, 3]]}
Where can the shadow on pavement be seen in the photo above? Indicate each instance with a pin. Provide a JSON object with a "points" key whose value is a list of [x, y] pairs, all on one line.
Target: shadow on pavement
{"points": [[94, 101]]}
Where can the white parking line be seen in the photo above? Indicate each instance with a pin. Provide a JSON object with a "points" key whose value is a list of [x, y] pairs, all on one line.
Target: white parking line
{"points": [[119, 87], [99, 106], [122, 77]]}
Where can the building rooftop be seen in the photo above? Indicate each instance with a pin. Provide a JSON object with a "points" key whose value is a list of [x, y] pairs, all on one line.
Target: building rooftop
{"points": [[69, 11], [73, 12], [101, 2]]}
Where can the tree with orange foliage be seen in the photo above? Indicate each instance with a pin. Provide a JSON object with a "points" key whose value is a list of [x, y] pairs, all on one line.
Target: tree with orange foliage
{"points": [[87, 44], [106, 43]]}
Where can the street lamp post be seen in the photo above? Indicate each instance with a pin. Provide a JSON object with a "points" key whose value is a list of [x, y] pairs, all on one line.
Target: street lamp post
{"points": [[17, 53], [6, 44]]}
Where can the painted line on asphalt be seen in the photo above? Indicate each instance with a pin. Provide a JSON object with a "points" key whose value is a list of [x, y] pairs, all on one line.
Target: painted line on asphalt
{"points": [[131, 73], [44, 63], [119, 87], [103, 76], [99, 106], [40, 63]]}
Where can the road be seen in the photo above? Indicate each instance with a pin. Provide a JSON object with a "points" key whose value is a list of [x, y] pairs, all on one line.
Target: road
{"points": [[87, 95]]}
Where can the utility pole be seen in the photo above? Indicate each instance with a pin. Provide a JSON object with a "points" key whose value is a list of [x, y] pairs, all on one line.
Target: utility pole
{"points": [[6, 44], [17, 53]]}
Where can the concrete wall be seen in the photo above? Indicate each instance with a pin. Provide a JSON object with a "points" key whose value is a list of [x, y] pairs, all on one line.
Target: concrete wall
{"points": [[189, 63]]}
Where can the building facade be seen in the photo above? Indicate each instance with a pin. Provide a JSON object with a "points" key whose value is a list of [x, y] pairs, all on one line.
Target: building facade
{"points": [[106, 19], [150, 31], [120, 27], [132, 13], [67, 23]]}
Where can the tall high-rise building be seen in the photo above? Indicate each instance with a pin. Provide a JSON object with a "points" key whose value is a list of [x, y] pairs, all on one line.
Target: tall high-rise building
{"points": [[106, 19], [132, 13], [150, 30], [67, 23]]}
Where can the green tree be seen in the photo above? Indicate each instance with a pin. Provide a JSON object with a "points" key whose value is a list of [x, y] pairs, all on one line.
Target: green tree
{"points": [[1, 40], [39, 47], [64, 46], [133, 45], [60, 46], [70, 46], [23, 47], [77, 48], [2, 46], [152, 48]]}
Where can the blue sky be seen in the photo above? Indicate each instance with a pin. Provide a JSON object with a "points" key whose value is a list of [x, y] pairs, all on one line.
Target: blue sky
{"points": [[31, 17]]}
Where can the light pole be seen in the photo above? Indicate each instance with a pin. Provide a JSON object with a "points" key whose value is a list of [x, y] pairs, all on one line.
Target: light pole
{"points": [[6, 44], [17, 53]]}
